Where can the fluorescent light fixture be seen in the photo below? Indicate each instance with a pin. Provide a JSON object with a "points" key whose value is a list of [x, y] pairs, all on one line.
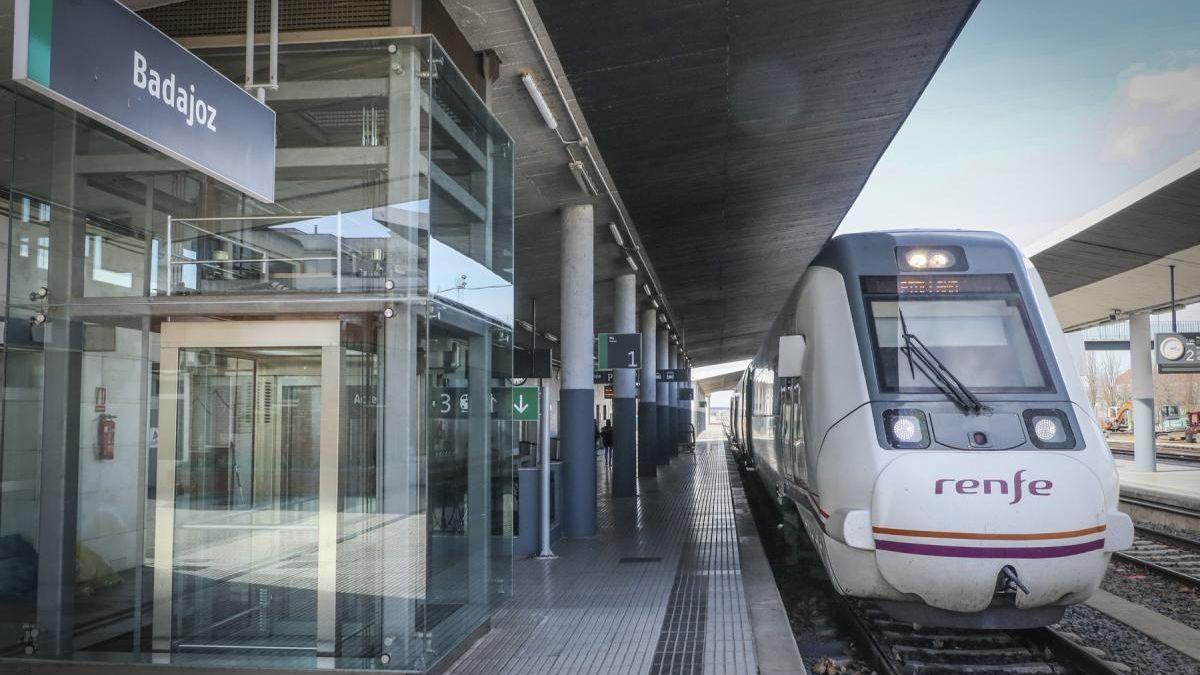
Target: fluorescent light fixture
{"points": [[538, 100], [616, 233], [654, 302], [551, 337], [581, 177], [646, 287], [525, 324], [632, 265]]}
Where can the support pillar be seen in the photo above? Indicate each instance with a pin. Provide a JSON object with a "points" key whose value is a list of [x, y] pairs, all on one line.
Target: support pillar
{"points": [[647, 406], [1141, 362], [624, 413], [664, 401], [577, 437]]}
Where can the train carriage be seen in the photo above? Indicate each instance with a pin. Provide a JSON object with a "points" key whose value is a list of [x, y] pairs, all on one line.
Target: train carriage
{"points": [[916, 406]]}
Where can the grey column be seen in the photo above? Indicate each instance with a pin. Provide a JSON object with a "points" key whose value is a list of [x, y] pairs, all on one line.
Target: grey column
{"points": [[664, 401], [1141, 362], [576, 435], [647, 408], [624, 463]]}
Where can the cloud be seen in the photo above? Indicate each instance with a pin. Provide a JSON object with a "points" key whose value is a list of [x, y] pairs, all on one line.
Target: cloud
{"points": [[1154, 113]]}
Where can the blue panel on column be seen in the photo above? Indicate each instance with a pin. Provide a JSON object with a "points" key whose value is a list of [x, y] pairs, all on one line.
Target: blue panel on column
{"points": [[577, 439], [647, 439], [624, 462], [664, 434]]}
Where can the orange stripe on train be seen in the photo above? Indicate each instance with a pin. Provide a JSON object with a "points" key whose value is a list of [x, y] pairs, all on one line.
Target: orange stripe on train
{"points": [[989, 536]]}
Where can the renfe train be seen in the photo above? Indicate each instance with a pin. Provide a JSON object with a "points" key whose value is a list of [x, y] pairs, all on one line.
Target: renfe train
{"points": [[916, 409]]}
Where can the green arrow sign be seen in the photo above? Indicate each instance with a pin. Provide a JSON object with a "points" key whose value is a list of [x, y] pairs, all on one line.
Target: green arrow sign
{"points": [[525, 404]]}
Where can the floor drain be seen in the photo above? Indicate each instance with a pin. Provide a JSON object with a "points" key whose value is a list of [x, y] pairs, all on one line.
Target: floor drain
{"points": [[640, 559]]}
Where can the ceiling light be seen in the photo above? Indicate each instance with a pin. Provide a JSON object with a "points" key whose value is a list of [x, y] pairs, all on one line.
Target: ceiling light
{"points": [[654, 303], [616, 233], [538, 100], [646, 287], [632, 265], [551, 337]]}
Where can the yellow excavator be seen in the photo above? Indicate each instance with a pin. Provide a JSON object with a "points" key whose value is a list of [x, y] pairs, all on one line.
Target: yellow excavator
{"points": [[1118, 418]]}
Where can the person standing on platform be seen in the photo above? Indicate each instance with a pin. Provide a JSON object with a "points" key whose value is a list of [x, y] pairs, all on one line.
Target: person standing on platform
{"points": [[606, 436]]}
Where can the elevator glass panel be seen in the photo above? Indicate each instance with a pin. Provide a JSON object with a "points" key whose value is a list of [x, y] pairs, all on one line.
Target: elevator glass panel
{"points": [[246, 502]]}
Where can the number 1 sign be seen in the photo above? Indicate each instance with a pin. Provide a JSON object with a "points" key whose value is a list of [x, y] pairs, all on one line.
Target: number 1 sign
{"points": [[618, 350]]}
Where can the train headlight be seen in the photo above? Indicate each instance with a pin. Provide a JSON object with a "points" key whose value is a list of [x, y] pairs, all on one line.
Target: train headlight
{"points": [[1049, 429], [917, 259], [906, 429], [926, 258]]}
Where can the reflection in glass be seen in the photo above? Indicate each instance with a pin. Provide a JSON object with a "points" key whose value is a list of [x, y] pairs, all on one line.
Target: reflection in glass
{"points": [[274, 506], [246, 490]]}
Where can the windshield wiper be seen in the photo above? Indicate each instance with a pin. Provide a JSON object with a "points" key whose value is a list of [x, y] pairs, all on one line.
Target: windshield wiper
{"points": [[923, 359]]}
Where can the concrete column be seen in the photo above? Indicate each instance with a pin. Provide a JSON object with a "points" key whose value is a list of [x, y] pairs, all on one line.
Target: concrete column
{"points": [[624, 463], [576, 435], [648, 392], [1141, 361], [664, 401]]}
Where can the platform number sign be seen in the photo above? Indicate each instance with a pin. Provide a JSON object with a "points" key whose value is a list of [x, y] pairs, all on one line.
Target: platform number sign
{"points": [[525, 404], [618, 350], [1177, 352]]}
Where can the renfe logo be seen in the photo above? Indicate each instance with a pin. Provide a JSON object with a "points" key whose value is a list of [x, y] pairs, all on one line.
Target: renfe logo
{"points": [[972, 486], [193, 109]]}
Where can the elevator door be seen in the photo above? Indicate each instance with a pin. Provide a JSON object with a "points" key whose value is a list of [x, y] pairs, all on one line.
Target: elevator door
{"points": [[250, 443]]}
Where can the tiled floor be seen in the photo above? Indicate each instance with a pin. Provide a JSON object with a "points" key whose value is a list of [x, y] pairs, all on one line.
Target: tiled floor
{"points": [[675, 605]]}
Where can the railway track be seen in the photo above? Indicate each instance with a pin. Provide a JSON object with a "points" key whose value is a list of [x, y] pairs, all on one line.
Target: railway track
{"points": [[899, 648], [1167, 554], [1182, 456]]}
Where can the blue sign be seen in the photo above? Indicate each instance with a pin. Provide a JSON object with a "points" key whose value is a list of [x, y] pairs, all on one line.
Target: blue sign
{"points": [[104, 61]]}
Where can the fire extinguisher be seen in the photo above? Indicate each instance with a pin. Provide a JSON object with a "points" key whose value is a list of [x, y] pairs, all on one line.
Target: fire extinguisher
{"points": [[106, 436]]}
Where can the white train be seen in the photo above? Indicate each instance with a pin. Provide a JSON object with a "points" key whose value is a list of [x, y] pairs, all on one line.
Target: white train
{"points": [[916, 406]]}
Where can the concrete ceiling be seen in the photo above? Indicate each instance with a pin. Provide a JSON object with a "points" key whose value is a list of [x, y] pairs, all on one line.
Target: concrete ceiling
{"points": [[739, 132], [1116, 259]]}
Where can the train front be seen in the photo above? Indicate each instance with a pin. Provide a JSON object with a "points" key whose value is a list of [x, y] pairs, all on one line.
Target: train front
{"points": [[995, 495]]}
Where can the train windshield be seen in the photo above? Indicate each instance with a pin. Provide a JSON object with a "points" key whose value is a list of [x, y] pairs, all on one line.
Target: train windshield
{"points": [[975, 325]]}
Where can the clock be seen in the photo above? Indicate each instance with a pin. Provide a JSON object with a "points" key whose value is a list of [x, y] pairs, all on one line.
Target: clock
{"points": [[1171, 348]]}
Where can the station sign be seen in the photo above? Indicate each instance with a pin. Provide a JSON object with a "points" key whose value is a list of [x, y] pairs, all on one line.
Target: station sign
{"points": [[536, 364], [449, 402], [102, 60], [610, 377], [1177, 352], [673, 375], [524, 404], [686, 394], [618, 350]]}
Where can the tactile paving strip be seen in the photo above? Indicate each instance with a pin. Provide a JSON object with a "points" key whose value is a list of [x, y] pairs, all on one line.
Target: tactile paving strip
{"points": [[589, 612]]}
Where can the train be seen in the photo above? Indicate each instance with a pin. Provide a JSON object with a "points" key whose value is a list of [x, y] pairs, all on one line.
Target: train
{"points": [[915, 410]]}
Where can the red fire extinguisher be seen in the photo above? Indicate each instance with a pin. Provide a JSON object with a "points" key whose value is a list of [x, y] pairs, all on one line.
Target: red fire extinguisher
{"points": [[106, 436]]}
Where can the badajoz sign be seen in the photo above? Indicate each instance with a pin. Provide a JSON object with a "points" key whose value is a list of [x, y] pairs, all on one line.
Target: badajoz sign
{"points": [[106, 62]]}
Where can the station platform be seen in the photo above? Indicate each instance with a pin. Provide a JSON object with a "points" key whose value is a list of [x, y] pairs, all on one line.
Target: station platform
{"points": [[1171, 482], [675, 581]]}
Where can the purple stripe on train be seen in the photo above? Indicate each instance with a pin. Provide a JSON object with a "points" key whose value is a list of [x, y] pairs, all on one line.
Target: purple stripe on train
{"points": [[989, 551]]}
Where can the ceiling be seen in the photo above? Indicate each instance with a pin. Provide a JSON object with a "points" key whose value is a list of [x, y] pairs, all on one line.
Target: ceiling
{"points": [[1116, 259], [739, 132], [736, 134]]}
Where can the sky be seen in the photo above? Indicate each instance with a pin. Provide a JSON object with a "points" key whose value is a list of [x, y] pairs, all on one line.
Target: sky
{"points": [[1041, 112]]}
